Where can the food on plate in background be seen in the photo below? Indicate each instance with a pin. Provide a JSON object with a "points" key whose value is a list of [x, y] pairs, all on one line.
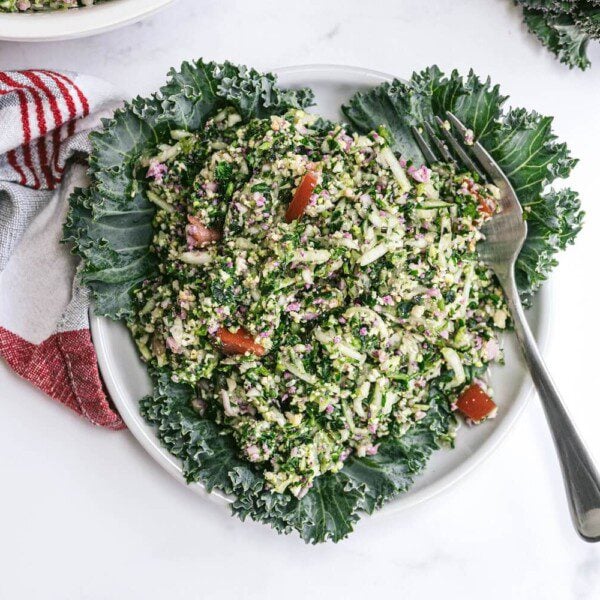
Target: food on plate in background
{"points": [[42, 5]]}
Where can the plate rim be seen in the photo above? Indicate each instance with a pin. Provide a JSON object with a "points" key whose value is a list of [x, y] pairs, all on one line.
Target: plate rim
{"points": [[76, 22], [455, 475]]}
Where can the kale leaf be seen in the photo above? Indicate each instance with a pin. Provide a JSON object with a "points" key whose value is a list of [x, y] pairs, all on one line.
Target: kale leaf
{"points": [[113, 238], [333, 505], [110, 225], [522, 143], [392, 470], [564, 27]]}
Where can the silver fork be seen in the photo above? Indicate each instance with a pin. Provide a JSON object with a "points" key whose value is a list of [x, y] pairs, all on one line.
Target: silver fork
{"points": [[504, 237]]}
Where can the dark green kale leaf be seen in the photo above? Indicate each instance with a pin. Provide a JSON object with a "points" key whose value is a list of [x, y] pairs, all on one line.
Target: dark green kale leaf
{"points": [[199, 89], [110, 225], [332, 506], [554, 220], [392, 470], [522, 143], [564, 27], [329, 510], [561, 35], [113, 239]]}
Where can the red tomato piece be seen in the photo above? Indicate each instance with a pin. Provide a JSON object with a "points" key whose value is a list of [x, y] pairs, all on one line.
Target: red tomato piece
{"points": [[301, 197], [474, 403], [239, 342], [198, 234], [487, 206]]}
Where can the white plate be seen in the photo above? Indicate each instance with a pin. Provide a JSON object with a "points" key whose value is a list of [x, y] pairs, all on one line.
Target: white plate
{"points": [[127, 381], [75, 22]]}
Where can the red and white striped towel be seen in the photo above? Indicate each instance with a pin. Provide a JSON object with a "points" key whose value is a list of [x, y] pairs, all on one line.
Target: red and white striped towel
{"points": [[45, 118]]}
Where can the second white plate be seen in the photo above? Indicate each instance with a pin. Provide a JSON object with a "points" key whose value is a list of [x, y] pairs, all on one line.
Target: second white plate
{"points": [[75, 22]]}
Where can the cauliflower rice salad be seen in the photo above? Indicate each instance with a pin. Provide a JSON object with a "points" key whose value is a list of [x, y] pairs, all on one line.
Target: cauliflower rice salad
{"points": [[313, 287], [307, 295], [42, 5]]}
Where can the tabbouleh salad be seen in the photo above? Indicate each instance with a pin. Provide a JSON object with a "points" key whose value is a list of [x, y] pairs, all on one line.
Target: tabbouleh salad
{"points": [[313, 287], [308, 295], [40, 5]]}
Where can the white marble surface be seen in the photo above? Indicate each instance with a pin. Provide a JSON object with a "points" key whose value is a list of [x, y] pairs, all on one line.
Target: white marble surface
{"points": [[84, 513]]}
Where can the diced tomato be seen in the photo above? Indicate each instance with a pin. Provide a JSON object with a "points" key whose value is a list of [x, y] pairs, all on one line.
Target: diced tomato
{"points": [[301, 197], [239, 342], [487, 206], [198, 234], [474, 403]]}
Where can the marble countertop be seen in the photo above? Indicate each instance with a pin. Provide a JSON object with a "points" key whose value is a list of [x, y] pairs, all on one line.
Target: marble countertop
{"points": [[85, 513]]}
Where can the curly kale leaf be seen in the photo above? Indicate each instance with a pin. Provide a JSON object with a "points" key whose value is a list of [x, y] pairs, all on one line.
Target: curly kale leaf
{"points": [[561, 35], [110, 225], [113, 239], [399, 105], [522, 143], [392, 470], [209, 455], [333, 505], [554, 220], [199, 89], [564, 27]]}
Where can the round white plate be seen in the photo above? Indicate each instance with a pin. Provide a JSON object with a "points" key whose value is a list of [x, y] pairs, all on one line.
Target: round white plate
{"points": [[127, 381], [75, 22]]}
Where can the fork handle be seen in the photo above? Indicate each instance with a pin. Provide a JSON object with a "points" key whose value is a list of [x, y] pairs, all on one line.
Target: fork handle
{"points": [[581, 478]]}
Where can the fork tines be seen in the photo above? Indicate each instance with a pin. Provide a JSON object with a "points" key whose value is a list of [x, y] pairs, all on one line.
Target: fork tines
{"points": [[472, 156], [444, 153]]}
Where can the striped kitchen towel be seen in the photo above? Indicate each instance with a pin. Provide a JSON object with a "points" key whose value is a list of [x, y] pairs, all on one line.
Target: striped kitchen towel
{"points": [[45, 118]]}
